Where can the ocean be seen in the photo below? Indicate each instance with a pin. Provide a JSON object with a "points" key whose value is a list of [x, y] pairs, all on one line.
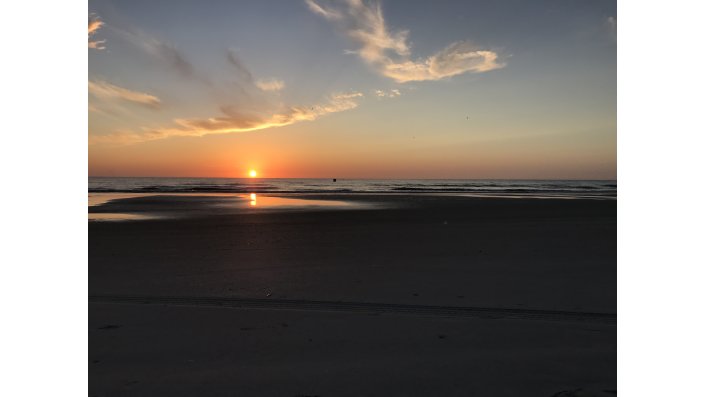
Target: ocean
{"points": [[604, 189]]}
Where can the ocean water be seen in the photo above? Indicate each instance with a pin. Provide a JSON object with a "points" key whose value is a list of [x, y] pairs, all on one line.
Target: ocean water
{"points": [[507, 188]]}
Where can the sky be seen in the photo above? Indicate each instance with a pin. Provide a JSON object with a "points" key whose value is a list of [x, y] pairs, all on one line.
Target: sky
{"points": [[496, 89]]}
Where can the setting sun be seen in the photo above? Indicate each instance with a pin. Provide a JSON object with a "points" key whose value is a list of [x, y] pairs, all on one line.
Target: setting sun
{"points": [[253, 173]]}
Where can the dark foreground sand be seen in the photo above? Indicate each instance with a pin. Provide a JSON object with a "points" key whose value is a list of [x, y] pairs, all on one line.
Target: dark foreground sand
{"points": [[553, 262]]}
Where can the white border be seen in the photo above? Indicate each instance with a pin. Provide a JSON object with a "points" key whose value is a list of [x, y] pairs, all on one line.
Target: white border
{"points": [[44, 257], [660, 148]]}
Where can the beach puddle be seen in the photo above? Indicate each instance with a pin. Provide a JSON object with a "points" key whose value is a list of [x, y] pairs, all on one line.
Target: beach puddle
{"points": [[217, 202], [96, 199], [102, 198], [107, 216]]}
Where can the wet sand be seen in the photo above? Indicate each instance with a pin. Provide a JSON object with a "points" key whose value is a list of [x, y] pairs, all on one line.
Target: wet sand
{"points": [[529, 255]]}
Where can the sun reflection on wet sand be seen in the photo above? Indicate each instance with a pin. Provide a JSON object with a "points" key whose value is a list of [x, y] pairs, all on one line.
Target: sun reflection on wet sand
{"points": [[233, 201]]}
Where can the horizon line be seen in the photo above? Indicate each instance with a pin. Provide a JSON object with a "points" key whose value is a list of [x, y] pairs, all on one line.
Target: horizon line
{"points": [[363, 178]]}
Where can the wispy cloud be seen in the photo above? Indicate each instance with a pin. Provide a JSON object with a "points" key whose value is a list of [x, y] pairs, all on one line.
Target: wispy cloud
{"points": [[326, 13], [242, 71], [95, 23], [235, 120], [106, 91], [393, 93], [169, 54], [341, 96], [611, 24], [270, 84], [95, 109], [390, 54]]}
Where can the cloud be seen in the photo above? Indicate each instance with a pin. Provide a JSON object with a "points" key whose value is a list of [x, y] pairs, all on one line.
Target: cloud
{"points": [[244, 102], [270, 84], [95, 23], [170, 55], [393, 93], [162, 51], [234, 120], [104, 90], [347, 95], [95, 109], [611, 24], [242, 71], [390, 54], [328, 14]]}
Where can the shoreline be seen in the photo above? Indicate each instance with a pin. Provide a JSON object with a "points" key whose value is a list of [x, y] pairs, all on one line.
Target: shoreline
{"points": [[540, 241]]}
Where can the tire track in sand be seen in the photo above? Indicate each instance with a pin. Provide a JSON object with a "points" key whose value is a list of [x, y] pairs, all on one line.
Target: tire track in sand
{"points": [[361, 307]]}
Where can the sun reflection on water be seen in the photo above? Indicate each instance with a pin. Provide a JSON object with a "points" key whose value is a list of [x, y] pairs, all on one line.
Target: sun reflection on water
{"points": [[136, 211], [265, 201]]}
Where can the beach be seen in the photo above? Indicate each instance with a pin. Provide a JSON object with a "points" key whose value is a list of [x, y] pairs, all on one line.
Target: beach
{"points": [[374, 294]]}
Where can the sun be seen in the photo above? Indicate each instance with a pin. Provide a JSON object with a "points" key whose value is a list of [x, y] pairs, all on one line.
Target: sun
{"points": [[253, 174]]}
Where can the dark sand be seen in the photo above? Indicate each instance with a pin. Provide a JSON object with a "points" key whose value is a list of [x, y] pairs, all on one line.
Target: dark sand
{"points": [[531, 255]]}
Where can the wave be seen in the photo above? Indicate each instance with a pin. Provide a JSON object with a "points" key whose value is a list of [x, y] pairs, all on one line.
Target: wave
{"points": [[494, 187]]}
